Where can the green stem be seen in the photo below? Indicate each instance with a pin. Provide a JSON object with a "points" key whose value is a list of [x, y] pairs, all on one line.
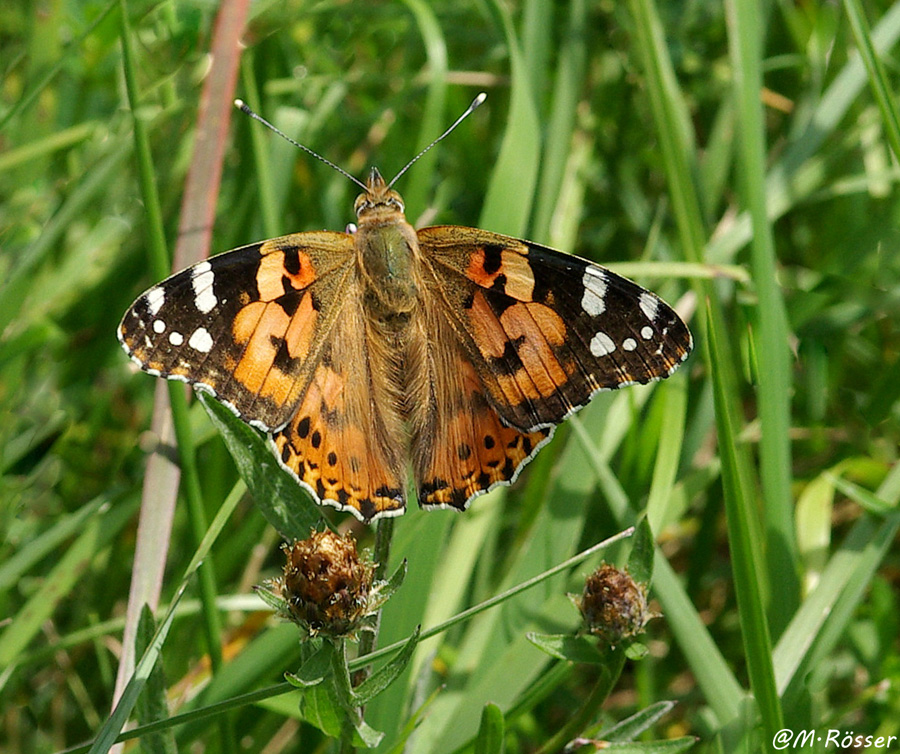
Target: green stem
{"points": [[609, 675], [381, 553]]}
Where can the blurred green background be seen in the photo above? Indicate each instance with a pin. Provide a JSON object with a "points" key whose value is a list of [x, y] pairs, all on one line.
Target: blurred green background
{"points": [[737, 158]]}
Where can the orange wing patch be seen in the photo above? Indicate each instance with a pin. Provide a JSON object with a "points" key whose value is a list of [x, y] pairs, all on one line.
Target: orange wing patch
{"points": [[473, 453], [508, 268], [335, 456], [273, 342], [276, 267], [460, 446]]}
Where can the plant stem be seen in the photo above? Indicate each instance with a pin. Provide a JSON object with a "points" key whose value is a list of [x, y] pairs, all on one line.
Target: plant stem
{"points": [[609, 675], [381, 553]]}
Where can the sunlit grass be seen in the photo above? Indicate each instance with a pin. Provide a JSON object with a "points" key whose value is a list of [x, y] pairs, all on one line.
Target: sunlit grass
{"points": [[624, 132]]}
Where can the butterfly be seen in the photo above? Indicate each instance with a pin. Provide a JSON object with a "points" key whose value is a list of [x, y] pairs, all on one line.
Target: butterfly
{"points": [[447, 355]]}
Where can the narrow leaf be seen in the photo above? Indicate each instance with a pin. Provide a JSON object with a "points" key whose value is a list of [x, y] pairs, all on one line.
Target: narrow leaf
{"points": [[632, 727], [566, 647], [490, 733], [152, 705], [385, 675], [314, 670], [640, 562], [280, 499]]}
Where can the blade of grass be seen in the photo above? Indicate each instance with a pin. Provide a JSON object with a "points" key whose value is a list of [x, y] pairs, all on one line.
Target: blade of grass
{"points": [[679, 160], [795, 176], [418, 188], [61, 581], [506, 210], [673, 131], [59, 141], [156, 518], [19, 564], [197, 212], [818, 624], [111, 730], [743, 539], [567, 90], [158, 493], [262, 167], [774, 372], [875, 69]]}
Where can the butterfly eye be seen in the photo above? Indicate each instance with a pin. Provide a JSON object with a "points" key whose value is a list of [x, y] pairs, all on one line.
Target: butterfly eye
{"points": [[362, 204], [395, 202]]}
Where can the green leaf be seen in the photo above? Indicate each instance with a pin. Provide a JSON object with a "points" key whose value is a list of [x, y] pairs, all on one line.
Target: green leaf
{"points": [[277, 603], [151, 705], [280, 499], [329, 706], [314, 669], [566, 647], [387, 673], [636, 651], [386, 589], [632, 727], [320, 707], [640, 562], [490, 733]]}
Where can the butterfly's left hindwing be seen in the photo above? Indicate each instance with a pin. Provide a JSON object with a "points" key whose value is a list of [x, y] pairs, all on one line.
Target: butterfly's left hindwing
{"points": [[245, 325], [547, 330]]}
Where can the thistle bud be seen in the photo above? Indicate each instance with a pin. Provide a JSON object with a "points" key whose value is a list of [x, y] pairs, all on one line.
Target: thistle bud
{"points": [[613, 605], [326, 586]]}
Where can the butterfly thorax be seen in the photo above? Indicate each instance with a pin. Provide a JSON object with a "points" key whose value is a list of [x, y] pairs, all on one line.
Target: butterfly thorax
{"points": [[387, 252]]}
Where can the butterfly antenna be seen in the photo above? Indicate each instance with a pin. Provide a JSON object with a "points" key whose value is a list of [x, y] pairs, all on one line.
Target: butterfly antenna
{"points": [[475, 103], [244, 108]]}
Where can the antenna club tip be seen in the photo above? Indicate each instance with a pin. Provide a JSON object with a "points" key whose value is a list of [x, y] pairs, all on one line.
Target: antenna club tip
{"points": [[240, 104], [479, 99]]}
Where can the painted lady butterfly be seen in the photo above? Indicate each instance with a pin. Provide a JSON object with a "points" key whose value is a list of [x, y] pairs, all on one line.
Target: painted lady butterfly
{"points": [[451, 350]]}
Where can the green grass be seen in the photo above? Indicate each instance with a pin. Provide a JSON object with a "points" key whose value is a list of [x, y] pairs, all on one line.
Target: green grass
{"points": [[745, 169]]}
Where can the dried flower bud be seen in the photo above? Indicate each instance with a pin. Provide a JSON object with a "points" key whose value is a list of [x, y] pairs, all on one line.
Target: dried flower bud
{"points": [[613, 606], [326, 586]]}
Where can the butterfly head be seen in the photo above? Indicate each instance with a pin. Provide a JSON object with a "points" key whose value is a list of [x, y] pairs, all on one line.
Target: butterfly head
{"points": [[379, 201]]}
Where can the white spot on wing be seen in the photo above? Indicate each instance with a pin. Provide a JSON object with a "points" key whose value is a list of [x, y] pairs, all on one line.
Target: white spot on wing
{"points": [[594, 299], [602, 344], [646, 332], [159, 326], [202, 281], [155, 297], [176, 338], [649, 305], [201, 340], [629, 344]]}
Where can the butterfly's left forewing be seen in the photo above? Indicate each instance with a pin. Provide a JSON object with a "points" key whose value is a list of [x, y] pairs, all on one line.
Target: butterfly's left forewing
{"points": [[246, 325], [547, 330]]}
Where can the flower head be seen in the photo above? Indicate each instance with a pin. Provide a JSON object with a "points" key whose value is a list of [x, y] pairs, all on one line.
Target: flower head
{"points": [[613, 605], [326, 586]]}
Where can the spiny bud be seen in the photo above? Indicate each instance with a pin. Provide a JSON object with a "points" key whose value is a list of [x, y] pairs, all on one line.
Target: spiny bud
{"points": [[613, 605], [326, 586]]}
